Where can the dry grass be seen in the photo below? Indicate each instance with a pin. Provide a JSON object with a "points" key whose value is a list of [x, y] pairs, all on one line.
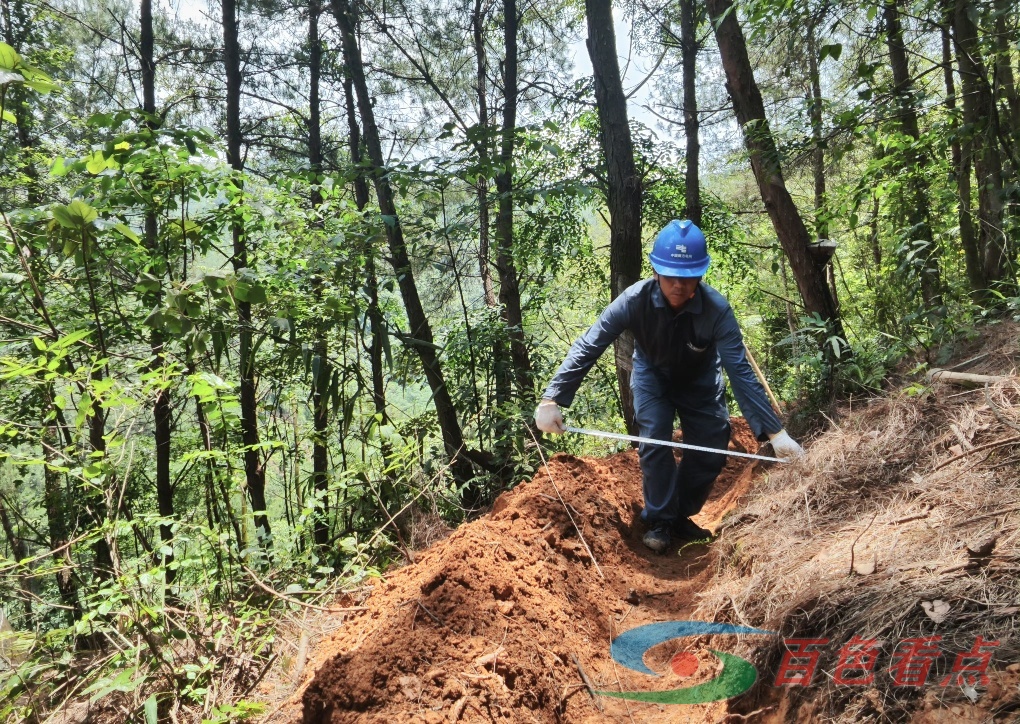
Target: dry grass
{"points": [[876, 520]]}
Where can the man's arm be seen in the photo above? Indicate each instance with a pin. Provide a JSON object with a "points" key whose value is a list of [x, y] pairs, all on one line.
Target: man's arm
{"points": [[583, 354], [751, 397]]}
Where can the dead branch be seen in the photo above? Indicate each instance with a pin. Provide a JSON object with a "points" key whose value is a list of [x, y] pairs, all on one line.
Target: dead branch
{"points": [[979, 448], [283, 597], [587, 683], [964, 379]]}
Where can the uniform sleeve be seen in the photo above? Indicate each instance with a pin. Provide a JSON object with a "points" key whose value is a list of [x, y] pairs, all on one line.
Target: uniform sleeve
{"points": [[750, 394], [583, 354]]}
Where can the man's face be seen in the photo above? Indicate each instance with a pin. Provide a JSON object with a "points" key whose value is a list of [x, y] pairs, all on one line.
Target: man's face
{"points": [[677, 290]]}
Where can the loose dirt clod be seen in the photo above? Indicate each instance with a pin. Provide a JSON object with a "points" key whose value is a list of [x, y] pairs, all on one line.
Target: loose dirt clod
{"points": [[902, 522], [498, 612]]}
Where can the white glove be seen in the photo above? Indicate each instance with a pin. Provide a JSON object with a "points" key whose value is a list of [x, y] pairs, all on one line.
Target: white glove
{"points": [[548, 418], [785, 447]]}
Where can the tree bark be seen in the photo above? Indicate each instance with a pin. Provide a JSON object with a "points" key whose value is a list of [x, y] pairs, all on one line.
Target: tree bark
{"points": [[1005, 80], [913, 162], [689, 59], [320, 381], [961, 168], [162, 414], [420, 337], [482, 185], [817, 141], [509, 284], [20, 552], [375, 317], [980, 143], [254, 470], [57, 515], [624, 184], [808, 268]]}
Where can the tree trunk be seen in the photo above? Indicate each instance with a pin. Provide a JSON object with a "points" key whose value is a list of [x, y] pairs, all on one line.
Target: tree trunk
{"points": [[254, 471], [1005, 43], [1005, 80], [689, 52], [961, 167], [420, 337], [817, 141], [981, 144], [57, 516], [20, 552], [808, 267], [509, 284], [320, 380], [501, 360], [482, 185], [161, 407], [97, 504], [624, 184], [913, 164], [375, 317]]}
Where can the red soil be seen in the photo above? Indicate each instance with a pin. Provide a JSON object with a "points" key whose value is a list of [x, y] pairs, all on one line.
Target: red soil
{"points": [[496, 622]]}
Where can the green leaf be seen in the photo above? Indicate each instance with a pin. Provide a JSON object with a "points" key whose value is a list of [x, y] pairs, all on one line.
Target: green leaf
{"points": [[251, 292], [9, 58], [155, 320], [96, 164], [151, 713], [81, 212], [63, 217], [215, 279], [36, 79], [830, 50], [124, 681], [147, 283], [9, 117], [126, 231], [76, 214]]}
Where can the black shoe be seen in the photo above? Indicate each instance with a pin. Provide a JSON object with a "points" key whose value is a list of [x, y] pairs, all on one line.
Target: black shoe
{"points": [[689, 530], [657, 538]]}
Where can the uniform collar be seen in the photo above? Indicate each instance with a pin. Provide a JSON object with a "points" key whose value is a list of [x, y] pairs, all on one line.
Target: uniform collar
{"points": [[694, 306]]}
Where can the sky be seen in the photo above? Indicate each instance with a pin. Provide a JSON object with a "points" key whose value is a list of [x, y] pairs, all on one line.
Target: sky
{"points": [[634, 65]]}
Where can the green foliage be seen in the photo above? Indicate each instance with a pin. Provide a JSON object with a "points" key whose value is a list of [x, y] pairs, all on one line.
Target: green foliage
{"points": [[122, 286]]}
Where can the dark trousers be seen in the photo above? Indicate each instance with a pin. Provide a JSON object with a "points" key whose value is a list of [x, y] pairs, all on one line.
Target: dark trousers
{"points": [[673, 491]]}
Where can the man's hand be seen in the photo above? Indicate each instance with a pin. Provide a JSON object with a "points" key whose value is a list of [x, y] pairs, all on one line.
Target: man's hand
{"points": [[548, 418], [785, 447]]}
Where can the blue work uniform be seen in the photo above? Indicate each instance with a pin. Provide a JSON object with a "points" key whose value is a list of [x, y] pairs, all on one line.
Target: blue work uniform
{"points": [[678, 363]]}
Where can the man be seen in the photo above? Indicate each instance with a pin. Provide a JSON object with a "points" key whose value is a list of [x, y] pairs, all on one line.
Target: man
{"points": [[685, 335]]}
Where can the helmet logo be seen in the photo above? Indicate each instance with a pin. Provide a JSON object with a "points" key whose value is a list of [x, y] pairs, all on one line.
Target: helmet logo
{"points": [[682, 248]]}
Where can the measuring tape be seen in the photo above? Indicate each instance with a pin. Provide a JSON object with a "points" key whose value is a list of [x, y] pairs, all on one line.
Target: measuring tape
{"points": [[684, 446]]}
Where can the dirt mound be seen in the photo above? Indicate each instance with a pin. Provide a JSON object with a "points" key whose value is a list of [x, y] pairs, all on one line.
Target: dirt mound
{"points": [[505, 618], [901, 526]]}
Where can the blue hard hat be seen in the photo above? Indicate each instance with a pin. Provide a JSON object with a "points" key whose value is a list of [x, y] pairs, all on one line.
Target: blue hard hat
{"points": [[680, 251]]}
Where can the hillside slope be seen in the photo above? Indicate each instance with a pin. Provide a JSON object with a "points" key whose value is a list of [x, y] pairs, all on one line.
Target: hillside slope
{"points": [[901, 525]]}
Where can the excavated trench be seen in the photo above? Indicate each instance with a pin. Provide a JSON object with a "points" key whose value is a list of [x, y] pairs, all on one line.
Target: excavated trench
{"points": [[505, 619]]}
